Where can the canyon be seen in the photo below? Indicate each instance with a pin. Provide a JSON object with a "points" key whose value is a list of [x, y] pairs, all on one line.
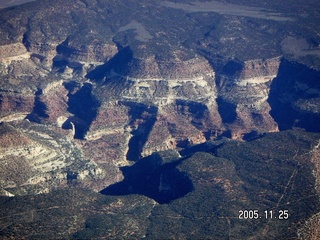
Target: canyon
{"points": [[89, 102]]}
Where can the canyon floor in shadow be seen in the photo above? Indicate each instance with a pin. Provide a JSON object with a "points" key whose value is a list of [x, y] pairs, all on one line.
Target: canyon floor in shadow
{"points": [[153, 177]]}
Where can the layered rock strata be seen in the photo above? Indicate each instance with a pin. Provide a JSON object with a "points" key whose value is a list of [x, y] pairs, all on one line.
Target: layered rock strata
{"points": [[244, 94], [150, 105], [118, 85], [36, 159]]}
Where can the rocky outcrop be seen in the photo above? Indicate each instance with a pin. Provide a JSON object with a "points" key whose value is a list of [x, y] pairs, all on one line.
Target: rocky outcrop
{"points": [[36, 159], [244, 90], [15, 106], [13, 51], [147, 105], [202, 194], [118, 86], [143, 97], [133, 107], [182, 93]]}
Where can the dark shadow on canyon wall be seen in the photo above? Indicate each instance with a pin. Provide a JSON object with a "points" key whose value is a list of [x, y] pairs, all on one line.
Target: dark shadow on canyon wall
{"points": [[61, 60], [116, 65], [295, 97], [232, 68], [39, 111], [153, 177], [142, 120], [84, 106], [198, 112], [226, 110]]}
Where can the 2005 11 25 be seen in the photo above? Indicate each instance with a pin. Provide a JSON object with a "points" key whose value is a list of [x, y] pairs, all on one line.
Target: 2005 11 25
{"points": [[266, 214]]}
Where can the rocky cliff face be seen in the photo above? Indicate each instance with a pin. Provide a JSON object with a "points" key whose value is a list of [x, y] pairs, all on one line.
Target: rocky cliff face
{"points": [[37, 159], [294, 97], [243, 96], [114, 89], [152, 119], [202, 192]]}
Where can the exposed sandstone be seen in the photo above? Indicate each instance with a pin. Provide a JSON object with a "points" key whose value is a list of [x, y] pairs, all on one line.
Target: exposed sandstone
{"points": [[98, 52], [152, 68], [183, 92], [55, 98], [10, 51], [15, 103], [248, 91], [89, 87], [258, 68], [119, 93], [35, 159]]}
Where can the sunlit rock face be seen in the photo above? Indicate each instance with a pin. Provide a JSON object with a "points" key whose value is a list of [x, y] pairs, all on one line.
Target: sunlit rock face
{"points": [[119, 85], [166, 103], [37, 159], [159, 119], [244, 91]]}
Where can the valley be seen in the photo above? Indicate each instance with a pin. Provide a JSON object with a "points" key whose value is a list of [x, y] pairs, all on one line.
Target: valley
{"points": [[114, 109]]}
